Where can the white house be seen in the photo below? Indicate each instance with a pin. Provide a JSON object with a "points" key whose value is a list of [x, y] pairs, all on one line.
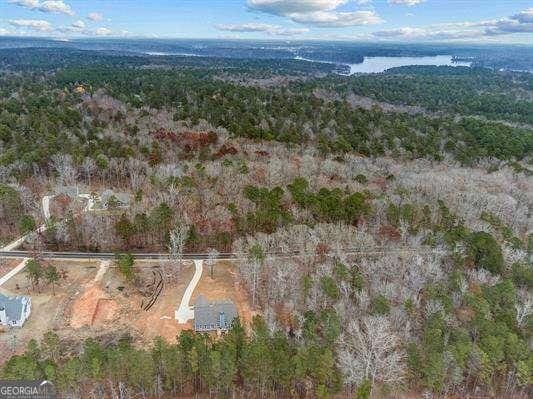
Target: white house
{"points": [[14, 311]]}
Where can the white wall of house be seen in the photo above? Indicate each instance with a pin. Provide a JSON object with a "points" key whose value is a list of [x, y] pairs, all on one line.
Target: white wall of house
{"points": [[24, 314], [3, 317], [26, 310]]}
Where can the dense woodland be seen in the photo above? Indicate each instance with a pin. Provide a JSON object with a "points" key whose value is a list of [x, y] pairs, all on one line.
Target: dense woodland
{"points": [[456, 90], [409, 213]]}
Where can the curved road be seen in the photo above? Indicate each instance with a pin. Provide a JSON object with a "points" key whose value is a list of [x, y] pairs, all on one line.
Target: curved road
{"points": [[186, 312]]}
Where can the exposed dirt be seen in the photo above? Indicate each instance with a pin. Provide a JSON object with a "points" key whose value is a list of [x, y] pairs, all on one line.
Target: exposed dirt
{"points": [[224, 285], [106, 310], [159, 320], [48, 311], [85, 306], [92, 307]]}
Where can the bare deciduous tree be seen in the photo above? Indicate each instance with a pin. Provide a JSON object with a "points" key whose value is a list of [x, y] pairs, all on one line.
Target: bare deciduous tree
{"points": [[370, 350], [67, 172], [524, 307], [178, 235], [212, 255], [89, 167]]}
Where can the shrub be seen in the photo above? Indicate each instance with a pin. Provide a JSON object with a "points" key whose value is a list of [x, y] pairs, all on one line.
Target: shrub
{"points": [[364, 390], [125, 263], [380, 305], [26, 224], [361, 179], [330, 287], [522, 275]]}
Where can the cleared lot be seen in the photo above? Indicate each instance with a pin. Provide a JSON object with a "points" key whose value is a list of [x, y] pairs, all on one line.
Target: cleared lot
{"points": [[91, 299], [224, 285]]}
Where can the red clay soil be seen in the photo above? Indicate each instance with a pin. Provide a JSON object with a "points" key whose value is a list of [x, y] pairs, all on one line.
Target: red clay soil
{"points": [[92, 307], [106, 310], [160, 321]]}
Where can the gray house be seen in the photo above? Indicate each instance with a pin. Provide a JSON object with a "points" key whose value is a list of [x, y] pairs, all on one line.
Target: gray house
{"points": [[14, 311], [214, 316]]}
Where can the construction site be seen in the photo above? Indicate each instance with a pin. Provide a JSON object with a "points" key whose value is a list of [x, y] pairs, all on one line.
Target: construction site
{"points": [[92, 300]]}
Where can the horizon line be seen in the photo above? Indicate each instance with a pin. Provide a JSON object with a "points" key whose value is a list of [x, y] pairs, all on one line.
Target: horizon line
{"points": [[331, 40]]}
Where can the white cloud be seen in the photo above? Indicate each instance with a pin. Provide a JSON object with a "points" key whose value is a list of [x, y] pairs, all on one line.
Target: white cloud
{"points": [[508, 25], [409, 3], [102, 32], [31, 4], [259, 27], [76, 29], [321, 13], [4, 32], [287, 7], [53, 6], [338, 19], [95, 16], [431, 33], [519, 23], [59, 7], [524, 17], [35, 24], [79, 24]]}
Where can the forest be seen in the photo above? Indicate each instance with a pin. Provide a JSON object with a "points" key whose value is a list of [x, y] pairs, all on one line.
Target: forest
{"points": [[406, 195]]}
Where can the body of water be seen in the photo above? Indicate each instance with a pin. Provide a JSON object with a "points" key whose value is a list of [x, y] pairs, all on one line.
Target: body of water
{"points": [[381, 64], [161, 53]]}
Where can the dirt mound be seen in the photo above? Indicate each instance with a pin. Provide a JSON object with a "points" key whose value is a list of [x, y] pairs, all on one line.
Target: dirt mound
{"points": [[93, 307], [106, 310]]}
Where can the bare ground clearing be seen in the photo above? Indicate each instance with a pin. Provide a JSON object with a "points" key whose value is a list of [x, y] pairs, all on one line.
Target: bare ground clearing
{"points": [[92, 300], [48, 310], [224, 285]]}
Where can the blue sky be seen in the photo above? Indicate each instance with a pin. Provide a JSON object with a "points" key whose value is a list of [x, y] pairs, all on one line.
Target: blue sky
{"points": [[503, 21]]}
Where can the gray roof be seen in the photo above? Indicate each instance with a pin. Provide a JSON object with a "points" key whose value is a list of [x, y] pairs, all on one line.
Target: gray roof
{"points": [[213, 316], [13, 306]]}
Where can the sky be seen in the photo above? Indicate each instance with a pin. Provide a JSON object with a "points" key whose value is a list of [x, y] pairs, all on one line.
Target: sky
{"points": [[492, 21]]}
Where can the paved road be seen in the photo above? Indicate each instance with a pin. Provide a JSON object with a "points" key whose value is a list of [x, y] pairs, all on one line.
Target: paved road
{"points": [[108, 255], [205, 256]]}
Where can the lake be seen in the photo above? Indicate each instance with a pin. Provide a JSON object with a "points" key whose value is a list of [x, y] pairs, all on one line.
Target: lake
{"points": [[381, 64]]}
